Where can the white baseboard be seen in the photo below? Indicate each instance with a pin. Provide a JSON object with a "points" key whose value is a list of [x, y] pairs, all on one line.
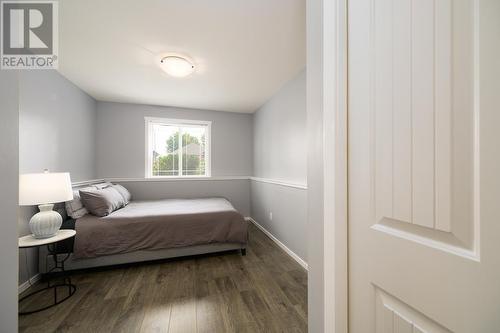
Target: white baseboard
{"points": [[294, 256], [25, 285]]}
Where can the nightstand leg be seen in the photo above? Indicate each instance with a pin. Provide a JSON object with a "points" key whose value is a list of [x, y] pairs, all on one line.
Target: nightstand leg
{"points": [[66, 282]]}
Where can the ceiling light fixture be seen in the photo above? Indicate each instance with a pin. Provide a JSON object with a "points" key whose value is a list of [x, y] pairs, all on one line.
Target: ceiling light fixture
{"points": [[176, 66]]}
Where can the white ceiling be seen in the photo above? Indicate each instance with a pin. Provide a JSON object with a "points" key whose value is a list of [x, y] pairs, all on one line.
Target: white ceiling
{"points": [[244, 50]]}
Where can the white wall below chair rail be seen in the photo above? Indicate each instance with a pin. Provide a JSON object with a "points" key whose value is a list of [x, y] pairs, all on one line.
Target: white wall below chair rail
{"points": [[281, 210], [292, 254]]}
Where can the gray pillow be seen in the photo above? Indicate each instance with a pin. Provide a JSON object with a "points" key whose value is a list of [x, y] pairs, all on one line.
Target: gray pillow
{"points": [[124, 192], [102, 202]]}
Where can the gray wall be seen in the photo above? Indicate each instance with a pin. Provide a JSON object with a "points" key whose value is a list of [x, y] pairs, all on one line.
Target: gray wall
{"points": [[280, 153], [57, 130], [9, 200], [280, 134], [289, 214], [121, 139], [57, 124]]}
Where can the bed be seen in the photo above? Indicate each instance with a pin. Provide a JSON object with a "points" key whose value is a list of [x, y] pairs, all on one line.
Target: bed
{"points": [[151, 230]]}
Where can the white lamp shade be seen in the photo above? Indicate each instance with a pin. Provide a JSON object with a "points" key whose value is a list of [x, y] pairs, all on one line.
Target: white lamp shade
{"points": [[44, 188]]}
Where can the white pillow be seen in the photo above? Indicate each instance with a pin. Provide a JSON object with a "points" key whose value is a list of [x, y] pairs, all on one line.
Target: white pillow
{"points": [[100, 186], [75, 207], [124, 193]]}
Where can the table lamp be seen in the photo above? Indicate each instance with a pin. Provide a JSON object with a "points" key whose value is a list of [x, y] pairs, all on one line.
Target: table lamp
{"points": [[45, 189]]}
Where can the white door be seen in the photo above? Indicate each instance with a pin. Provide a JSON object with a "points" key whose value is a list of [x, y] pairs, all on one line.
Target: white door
{"points": [[424, 166]]}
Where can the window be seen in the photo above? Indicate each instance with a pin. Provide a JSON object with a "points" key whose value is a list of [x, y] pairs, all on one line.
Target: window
{"points": [[177, 148]]}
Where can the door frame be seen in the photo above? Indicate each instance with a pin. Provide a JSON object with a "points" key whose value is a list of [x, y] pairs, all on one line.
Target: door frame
{"points": [[327, 167], [335, 190]]}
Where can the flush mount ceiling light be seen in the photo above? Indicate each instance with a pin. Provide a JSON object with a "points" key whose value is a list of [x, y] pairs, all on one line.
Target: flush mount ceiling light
{"points": [[176, 66]]}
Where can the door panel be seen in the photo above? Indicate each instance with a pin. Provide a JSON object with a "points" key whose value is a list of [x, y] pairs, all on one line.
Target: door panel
{"points": [[417, 195], [394, 316], [419, 113]]}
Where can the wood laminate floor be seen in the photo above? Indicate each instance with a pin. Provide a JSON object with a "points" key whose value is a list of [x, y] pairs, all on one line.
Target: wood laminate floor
{"points": [[264, 291]]}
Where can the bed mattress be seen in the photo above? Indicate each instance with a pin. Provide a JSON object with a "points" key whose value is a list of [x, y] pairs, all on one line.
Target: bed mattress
{"points": [[159, 224]]}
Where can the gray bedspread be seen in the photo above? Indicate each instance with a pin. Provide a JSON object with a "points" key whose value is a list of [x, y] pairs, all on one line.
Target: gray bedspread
{"points": [[160, 224]]}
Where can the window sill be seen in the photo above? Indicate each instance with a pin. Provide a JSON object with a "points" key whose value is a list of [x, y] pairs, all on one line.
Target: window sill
{"points": [[177, 177]]}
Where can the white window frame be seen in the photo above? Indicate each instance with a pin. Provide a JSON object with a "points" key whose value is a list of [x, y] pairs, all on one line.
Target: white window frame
{"points": [[149, 121]]}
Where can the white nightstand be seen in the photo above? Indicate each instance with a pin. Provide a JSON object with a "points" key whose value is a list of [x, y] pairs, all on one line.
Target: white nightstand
{"points": [[30, 241]]}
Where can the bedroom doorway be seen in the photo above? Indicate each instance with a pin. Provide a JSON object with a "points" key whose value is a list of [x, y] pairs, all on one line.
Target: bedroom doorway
{"points": [[185, 141]]}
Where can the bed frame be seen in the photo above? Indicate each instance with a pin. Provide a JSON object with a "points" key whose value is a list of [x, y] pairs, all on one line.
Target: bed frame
{"points": [[46, 260]]}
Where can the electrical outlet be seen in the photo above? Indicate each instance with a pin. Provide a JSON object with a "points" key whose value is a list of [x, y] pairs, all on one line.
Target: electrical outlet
{"points": [[270, 216]]}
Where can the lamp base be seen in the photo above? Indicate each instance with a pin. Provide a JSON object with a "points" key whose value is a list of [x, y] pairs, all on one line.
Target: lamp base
{"points": [[45, 223]]}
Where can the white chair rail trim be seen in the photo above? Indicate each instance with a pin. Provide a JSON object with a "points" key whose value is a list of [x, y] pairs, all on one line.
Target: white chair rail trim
{"points": [[177, 179], [280, 182], [87, 182]]}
